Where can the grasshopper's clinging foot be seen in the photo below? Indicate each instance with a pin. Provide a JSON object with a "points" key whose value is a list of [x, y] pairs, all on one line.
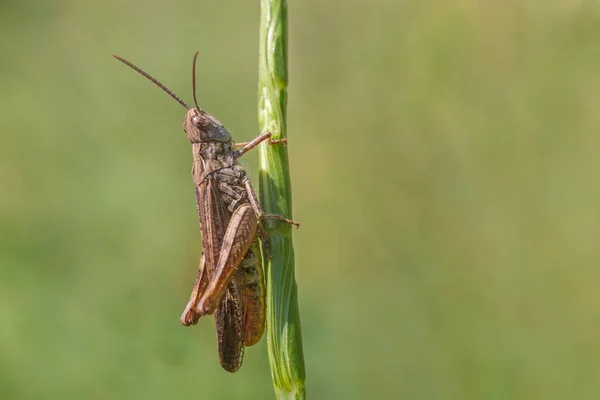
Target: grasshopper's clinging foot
{"points": [[280, 218], [267, 135], [247, 146], [276, 141]]}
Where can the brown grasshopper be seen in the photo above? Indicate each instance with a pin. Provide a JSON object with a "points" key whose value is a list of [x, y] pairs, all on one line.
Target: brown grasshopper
{"points": [[230, 281]]}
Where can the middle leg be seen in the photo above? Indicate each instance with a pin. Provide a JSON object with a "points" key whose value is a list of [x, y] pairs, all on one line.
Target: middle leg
{"points": [[258, 209]]}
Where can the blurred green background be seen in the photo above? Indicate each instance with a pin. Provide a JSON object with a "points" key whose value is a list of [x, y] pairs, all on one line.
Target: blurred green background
{"points": [[444, 160]]}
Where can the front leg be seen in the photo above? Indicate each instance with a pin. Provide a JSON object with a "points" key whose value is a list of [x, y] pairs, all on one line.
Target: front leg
{"points": [[247, 146]]}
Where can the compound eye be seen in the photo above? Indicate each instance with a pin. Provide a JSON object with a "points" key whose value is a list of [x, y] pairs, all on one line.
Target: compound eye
{"points": [[196, 120]]}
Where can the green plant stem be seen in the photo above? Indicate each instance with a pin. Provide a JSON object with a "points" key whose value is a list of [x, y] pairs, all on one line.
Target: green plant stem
{"points": [[284, 338]]}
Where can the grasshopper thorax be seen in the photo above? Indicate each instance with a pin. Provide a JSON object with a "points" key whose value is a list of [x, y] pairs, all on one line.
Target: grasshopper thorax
{"points": [[200, 127]]}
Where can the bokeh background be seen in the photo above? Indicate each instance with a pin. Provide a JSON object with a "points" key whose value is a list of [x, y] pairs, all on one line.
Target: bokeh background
{"points": [[444, 159]]}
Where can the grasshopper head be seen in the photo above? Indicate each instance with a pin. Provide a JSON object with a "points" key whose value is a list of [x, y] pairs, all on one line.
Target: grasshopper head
{"points": [[200, 126]]}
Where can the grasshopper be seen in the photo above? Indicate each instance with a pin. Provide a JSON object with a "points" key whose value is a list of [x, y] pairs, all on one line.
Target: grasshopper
{"points": [[230, 280]]}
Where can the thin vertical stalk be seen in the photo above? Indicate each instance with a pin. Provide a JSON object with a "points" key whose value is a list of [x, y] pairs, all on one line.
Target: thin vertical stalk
{"points": [[284, 339]]}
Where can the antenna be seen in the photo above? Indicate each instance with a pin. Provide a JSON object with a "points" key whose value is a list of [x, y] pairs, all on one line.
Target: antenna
{"points": [[157, 83], [194, 78]]}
